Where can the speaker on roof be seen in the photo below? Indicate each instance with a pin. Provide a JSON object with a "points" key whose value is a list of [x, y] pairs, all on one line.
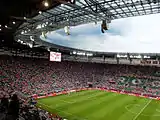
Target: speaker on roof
{"points": [[67, 30], [44, 35], [104, 26]]}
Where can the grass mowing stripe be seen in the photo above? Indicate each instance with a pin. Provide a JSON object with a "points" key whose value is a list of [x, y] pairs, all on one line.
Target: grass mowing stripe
{"points": [[60, 103], [65, 96], [80, 100], [105, 110], [86, 105], [100, 105], [68, 97], [118, 108], [87, 96], [55, 99], [85, 101], [78, 105], [142, 110], [95, 110], [49, 109], [72, 94]]}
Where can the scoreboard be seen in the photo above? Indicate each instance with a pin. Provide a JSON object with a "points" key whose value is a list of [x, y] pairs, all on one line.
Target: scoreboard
{"points": [[55, 56]]}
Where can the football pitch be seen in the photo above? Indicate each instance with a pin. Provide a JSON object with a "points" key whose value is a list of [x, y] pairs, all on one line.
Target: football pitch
{"points": [[101, 105]]}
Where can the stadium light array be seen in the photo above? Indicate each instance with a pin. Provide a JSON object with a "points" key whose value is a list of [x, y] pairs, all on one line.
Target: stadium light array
{"points": [[131, 56], [30, 45], [82, 53], [21, 42], [42, 25], [74, 52], [62, 5], [89, 54], [31, 38], [48, 49], [22, 32], [147, 56], [25, 43], [39, 26], [121, 56], [46, 4], [40, 12], [135, 56]]}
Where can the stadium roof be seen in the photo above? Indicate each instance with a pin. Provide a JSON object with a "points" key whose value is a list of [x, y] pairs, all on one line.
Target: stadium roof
{"points": [[37, 18], [12, 15]]}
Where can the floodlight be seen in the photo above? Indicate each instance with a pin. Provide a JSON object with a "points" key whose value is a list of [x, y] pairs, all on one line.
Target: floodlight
{"points": [[40, 12], [46, 4]]}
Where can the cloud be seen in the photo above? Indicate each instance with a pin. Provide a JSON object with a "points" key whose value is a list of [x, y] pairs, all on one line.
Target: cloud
{"points": [[135, 34]]}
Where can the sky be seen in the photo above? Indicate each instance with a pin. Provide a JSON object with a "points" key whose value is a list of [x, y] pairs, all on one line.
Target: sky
{"points": [[132, 35]]}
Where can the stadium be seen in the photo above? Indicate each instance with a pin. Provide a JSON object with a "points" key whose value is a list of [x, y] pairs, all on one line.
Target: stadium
{"points": [[80, 60]]}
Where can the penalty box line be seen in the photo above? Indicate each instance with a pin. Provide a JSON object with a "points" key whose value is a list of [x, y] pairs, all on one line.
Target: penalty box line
{"points": [[142, 110]]}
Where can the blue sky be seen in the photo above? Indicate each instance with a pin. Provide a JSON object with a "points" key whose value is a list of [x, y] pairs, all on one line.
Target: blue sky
{"points": [[134, 35]]}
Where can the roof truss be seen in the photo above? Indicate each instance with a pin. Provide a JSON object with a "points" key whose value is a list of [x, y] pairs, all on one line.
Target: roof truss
{"points": [[86, 11]]}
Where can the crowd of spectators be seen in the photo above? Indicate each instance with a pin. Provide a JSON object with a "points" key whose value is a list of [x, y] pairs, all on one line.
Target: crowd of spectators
{"points": [[40, 76], [14, 108], [27, 76]]}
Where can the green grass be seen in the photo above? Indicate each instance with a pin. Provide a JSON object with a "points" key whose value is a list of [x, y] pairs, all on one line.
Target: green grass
{"points": [[101, 105]]}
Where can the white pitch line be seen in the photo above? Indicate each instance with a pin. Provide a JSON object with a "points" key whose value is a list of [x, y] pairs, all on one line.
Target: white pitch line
{"points": [[142, 110]]}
